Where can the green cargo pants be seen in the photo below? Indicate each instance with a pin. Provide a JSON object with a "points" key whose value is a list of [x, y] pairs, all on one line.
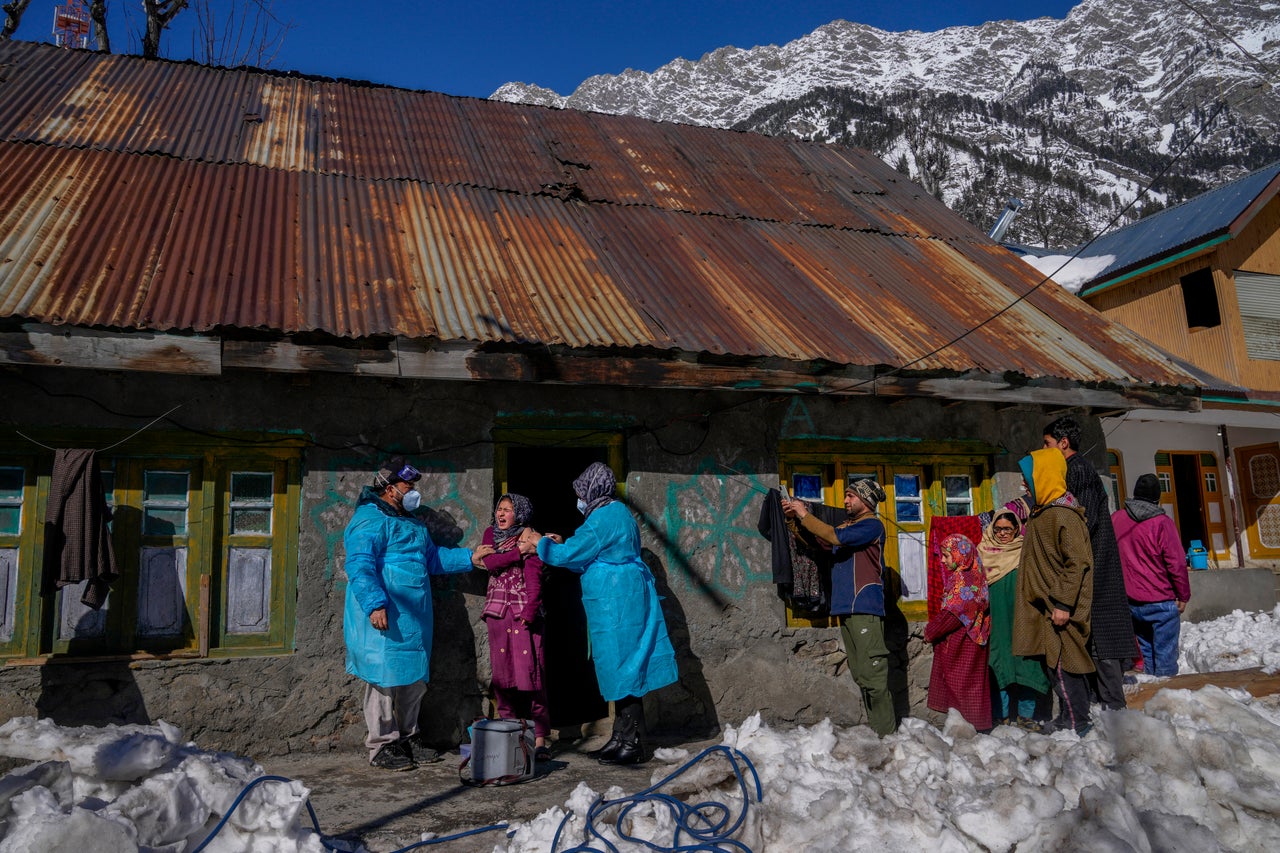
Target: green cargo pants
{"points": [[869, 662]]}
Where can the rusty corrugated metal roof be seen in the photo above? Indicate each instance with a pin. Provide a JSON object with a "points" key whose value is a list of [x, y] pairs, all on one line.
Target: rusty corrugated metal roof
{"points": [[140, 194]]}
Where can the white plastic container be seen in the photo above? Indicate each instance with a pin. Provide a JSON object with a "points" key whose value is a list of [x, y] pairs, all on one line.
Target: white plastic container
{"points": [[502, 751]]}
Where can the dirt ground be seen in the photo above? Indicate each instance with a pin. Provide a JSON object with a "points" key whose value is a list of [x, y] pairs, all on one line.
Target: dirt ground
{"points": [[386, 811]]}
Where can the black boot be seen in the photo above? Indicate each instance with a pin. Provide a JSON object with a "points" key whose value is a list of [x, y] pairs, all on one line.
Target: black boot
{"points": [[615, 741], [630, 721]]}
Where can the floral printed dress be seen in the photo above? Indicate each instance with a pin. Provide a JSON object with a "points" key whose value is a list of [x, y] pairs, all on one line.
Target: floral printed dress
{"points": [[959, 632]]}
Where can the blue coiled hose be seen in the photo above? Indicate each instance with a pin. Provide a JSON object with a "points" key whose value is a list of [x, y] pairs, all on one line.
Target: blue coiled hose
{"points": [[706, 824]]}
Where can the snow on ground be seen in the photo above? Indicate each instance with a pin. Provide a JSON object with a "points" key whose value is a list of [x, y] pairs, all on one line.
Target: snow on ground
{"points": [[1195, 771], [1237, 641], [124, 789]]}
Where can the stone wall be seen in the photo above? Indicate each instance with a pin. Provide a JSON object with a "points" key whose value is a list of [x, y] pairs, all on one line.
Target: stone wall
{"points": [[696, 464]]}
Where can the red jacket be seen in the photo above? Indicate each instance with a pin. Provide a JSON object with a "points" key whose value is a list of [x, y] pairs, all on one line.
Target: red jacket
{"points": [[1155, 568]]}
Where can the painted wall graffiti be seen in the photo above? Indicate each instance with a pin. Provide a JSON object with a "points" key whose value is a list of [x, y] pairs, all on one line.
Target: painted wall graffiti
{"points": [[446, 511], [709, 529]]}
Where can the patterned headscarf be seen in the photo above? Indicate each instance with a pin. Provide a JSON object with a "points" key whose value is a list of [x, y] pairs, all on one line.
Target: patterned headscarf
{"points": [[523, 511], [595, 487], [964, 584]]}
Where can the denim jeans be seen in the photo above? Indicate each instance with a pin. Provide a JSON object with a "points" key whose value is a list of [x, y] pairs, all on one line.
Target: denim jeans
{"points": [[1157, 625]]}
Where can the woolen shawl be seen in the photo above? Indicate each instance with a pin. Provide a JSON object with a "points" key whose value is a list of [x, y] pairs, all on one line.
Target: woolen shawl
{"points": [[999, 560]]}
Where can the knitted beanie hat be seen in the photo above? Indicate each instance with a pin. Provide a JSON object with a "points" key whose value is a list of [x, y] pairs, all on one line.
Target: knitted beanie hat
{"points": [[868, 491], [1147, 489]]}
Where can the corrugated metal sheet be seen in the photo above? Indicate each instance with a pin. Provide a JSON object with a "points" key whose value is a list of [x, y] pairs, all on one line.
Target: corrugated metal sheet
{"points": [[167, 196]]}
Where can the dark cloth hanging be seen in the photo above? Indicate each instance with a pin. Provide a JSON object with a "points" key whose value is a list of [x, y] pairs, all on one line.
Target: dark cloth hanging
{"points": [[772, 524], [77, 542], [799, 561]]}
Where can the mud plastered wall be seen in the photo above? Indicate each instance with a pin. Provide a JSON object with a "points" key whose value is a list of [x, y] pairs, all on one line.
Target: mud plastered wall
{"points": [[697, 464]]}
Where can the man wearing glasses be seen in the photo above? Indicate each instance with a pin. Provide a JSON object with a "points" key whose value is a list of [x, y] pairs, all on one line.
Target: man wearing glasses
{"points": [[388, 618]]}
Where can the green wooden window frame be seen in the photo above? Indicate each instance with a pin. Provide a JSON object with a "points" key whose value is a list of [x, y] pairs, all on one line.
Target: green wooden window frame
{"points": [[197, 521]]}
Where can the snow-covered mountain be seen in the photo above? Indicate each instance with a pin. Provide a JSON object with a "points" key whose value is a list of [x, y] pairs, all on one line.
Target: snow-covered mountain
{"points": [[1072, 116]]}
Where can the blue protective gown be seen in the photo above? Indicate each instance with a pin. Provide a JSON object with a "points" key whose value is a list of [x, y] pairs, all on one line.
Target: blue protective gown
{"points": [[390, 557], [629, 642]]}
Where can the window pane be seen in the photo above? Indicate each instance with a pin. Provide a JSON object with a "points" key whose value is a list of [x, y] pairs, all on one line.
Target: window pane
{"points": [[165, 522], [10, 485], [906, 485], [955, 509], [909, 511], [957, 487], [11, 519], [251, 521], [251, 487], [166, 487], [109, 486]]}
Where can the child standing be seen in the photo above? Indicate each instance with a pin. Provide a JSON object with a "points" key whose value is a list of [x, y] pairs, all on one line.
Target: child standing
{"points": [[959, 632]]}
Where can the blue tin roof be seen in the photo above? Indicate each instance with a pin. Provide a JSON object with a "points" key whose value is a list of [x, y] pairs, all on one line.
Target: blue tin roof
{"points": [[1181, 227]]}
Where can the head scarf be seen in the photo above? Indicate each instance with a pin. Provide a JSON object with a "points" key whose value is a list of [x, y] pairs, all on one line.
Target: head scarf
{"points": [[595, 487], [964, 585], [522, 512], [868, 491], [1046, 474], [998, 559]]}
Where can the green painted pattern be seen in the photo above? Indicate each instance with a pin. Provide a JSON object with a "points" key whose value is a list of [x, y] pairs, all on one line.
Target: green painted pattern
{"points": [[710, 520]]}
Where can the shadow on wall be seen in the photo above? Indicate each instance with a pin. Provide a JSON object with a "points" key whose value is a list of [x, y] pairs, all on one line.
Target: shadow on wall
{"points": [[694, 712], [95, 694], [453, 699]]}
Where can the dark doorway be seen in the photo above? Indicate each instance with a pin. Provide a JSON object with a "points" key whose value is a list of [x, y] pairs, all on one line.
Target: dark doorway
{"points": [[545, 475], [1186, 493]]}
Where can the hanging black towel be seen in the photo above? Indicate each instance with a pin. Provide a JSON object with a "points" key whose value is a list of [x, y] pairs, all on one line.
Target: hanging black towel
{"points": [[77, 542], [773, 526]]}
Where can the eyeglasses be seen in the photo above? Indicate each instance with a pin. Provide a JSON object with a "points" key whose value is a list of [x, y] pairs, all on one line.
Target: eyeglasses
{"points": [[408, 473], [999, 529]]}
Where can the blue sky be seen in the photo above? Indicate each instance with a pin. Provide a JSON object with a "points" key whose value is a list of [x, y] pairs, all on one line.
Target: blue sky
{"points": [[470, 47]]}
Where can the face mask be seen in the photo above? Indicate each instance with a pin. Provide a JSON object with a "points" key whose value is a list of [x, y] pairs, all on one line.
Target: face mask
{"points": [[582, 506], [411, 501]]}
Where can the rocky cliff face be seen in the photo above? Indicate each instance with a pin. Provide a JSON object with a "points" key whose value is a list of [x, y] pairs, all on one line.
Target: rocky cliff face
{"points": [[1072, 116]]}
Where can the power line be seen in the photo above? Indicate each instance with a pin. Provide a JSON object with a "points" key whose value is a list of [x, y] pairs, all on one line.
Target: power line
{"points": [[1048, 277]]}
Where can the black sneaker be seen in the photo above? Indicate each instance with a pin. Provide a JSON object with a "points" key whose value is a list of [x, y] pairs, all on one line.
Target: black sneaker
{"points": [[392, 757], [418, 751]]}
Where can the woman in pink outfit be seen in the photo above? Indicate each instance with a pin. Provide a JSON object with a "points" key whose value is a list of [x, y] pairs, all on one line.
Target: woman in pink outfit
{"points": [[513, 616]]}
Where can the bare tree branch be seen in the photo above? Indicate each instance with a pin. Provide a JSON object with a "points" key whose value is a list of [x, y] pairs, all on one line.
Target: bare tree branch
{"points": [[13, 16], [245, 33], [159, 13]]}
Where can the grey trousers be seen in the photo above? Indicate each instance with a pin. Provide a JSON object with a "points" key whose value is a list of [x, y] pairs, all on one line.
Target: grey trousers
{"points": [[391, 713]]}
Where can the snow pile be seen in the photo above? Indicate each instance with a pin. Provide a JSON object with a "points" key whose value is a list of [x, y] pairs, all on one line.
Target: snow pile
{"points": [[1237, 641], [1071, 273], [138, 788], [1195, 771]]}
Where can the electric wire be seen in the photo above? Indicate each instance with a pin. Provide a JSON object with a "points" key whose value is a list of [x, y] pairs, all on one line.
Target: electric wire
{"points": [[1142, 192]]}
